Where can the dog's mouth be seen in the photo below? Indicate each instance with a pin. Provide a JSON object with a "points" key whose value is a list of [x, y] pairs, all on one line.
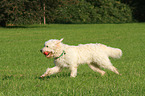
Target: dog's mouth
{"points": [[48, 54]]}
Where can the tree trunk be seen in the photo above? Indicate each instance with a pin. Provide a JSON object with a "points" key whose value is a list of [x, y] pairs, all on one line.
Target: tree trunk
{"points": [[44, 14]]}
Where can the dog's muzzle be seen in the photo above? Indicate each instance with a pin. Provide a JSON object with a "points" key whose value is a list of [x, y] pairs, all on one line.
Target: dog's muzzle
{"points": [[47, 53]]}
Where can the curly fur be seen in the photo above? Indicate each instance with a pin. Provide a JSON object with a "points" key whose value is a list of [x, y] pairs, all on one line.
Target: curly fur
{"points": [[95, 55]]}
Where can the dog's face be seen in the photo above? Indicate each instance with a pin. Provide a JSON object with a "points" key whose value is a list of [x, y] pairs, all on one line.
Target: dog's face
{"points": [[50, 47]]}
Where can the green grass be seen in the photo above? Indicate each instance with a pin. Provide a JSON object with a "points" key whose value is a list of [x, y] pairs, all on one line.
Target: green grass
{"points": [[21, 63]]}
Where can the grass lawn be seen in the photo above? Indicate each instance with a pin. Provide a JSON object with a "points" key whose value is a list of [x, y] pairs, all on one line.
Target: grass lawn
{"points": [[21, 62]]}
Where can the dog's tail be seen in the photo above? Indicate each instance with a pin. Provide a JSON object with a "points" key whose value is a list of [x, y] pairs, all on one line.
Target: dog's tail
{"points": [[111, 52]]}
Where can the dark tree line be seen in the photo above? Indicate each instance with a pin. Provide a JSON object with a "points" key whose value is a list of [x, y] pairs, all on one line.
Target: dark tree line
{"points": [[138, 9], [70, 11], [20, 11]]}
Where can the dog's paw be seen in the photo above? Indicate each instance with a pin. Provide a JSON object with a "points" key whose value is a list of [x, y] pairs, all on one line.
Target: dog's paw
{"points": [[42, 76], [72, 76], [103, 73]]}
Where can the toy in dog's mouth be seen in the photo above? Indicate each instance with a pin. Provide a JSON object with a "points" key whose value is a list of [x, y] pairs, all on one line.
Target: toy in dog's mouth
{"points": [[48, 54]]}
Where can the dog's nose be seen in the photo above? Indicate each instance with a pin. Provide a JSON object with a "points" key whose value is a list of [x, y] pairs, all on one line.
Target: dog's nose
{"points": [[41, 50]]}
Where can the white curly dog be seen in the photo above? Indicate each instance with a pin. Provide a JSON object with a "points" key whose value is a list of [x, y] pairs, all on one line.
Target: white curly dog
{"points": [[95, 55]]}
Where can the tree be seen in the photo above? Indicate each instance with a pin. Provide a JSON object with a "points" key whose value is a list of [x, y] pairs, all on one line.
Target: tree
{"points": [[20, 12], [92, 11], [4, 12], [138, 8], [63, 11]]}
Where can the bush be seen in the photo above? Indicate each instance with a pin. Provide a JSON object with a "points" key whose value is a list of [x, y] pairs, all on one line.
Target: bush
{"points": [[20, 12], [72, 12], [91, 11], [63, 11], [112, 11]]}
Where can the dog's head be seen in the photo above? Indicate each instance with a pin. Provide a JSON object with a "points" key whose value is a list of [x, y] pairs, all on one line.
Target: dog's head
{"points": [[50, 47]]}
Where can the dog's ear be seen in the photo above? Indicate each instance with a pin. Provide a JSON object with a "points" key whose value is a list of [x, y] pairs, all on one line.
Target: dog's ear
{"points": [[61, 39], [58, 43]]}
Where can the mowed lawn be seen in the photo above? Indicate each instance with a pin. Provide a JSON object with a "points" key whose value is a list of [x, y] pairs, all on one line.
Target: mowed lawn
{"points": [[21, 62]]}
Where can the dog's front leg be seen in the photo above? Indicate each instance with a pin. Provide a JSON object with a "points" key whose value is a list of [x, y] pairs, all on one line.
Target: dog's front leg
{"points": [[51, 71], [73, 71]]}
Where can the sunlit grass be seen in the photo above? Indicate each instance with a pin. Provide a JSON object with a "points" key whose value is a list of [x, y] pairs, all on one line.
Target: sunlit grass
{"points": [[21, 63]]}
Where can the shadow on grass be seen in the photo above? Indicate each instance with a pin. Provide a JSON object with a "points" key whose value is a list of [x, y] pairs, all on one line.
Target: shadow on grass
{"points": [[59, 75], [15, 27], [10, 77], [43, 78], [7, 77], [28, 26]]}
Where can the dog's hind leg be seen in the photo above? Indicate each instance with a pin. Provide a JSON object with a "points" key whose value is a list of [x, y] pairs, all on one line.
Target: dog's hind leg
{"points": [[96, 68], [113, 69], [105, 63]]}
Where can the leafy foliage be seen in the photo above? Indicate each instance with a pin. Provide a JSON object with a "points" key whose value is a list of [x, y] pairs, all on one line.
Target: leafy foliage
{"points": [[64, 11], [20, 12], [99, 11], [138, 8], [73, 12]]}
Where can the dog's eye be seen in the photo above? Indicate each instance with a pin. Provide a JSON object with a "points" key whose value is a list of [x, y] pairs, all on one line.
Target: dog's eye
{"points": [[47, 46]]}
